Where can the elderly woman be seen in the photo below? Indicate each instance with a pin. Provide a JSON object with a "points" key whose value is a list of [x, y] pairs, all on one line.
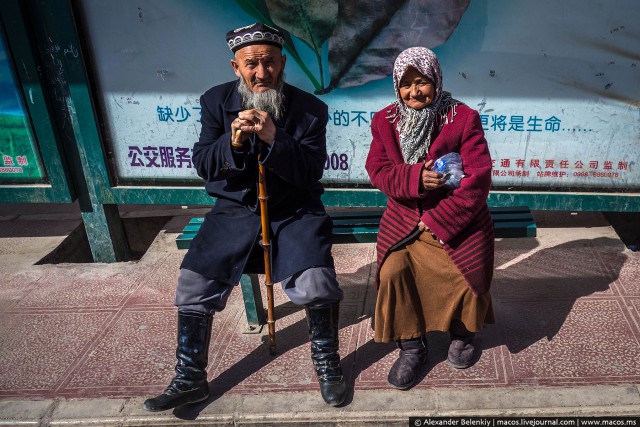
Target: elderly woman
{"points": [[436, 244]]}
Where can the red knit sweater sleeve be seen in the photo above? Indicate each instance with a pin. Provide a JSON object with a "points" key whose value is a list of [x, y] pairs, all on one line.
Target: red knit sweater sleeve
{"points": [[384, 164], [456, 211]]}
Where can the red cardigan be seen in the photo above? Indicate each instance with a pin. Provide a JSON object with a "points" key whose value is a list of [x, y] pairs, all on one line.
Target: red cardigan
{"points": [[460, 218]]}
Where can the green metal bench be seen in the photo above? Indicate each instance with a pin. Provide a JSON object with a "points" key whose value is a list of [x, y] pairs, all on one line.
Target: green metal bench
{"points": [[359, 226]]}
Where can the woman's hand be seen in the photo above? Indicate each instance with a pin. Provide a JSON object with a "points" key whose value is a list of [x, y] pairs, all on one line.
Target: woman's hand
{"points": [[430, 180], [422, 226]]}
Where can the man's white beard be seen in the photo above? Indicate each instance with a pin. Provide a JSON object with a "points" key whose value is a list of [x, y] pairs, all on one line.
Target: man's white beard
{"points": [[271, 101]]}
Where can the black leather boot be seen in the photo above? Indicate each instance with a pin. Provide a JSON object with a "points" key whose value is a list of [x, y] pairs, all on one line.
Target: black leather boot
{"points": [[413, 354], [323, 333], [190, 383]]}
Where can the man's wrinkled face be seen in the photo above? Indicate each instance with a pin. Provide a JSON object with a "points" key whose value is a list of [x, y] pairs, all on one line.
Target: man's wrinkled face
{"points": [[260, 66]]}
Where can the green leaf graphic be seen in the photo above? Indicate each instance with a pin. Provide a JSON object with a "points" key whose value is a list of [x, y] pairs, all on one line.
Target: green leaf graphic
{"points": [[258, 9], [312, 21], [371, 33], [360, 21], [364, 36]]}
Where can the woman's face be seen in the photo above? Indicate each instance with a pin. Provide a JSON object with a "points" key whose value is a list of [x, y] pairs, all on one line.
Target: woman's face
{"points": [[416, 90]]}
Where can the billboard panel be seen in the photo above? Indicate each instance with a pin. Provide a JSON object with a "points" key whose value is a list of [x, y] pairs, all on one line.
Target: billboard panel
{"points": [[557, 84], [20, 161]]}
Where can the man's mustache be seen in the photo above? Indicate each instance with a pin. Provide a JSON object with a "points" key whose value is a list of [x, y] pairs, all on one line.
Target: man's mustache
{"points": [[261, 81]]}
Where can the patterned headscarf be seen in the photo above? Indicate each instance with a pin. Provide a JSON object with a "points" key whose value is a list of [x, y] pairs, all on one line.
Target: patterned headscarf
{"points": [[416, 126]]}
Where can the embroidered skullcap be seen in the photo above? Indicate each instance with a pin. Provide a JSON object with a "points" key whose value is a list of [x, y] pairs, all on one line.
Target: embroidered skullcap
{"points": [[257, 33]]}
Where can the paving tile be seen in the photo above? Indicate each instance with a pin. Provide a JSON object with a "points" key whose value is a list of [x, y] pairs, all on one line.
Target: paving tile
{"points": [[279, 296], [507, 250], [135, 355], [16, 263], [560, 342], [488, 369], [24, 243], [44, 346], [18, 235], [354, 265], [633, 304], [629, 276], [557, 272], [14, 287], [350, 257], [67, 286], [159, 286], [375, 361], [24, 411], [246, 365]]}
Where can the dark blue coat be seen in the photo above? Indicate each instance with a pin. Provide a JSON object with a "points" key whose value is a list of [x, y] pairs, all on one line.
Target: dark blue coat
{"points": [[226, 244]]}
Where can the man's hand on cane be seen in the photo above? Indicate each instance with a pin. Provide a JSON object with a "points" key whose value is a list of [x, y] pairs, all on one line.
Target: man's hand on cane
{"points": [[255, 121]]}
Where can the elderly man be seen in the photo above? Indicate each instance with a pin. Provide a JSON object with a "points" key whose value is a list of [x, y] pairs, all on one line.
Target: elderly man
{"points": [[287, 127]]}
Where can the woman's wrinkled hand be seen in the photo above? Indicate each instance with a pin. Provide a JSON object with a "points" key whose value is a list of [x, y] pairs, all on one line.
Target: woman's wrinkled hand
{"points": [[422, 226], [430, 180]]}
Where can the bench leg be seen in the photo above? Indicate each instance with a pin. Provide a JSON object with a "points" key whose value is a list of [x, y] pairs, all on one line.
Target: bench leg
{"points": [[256, 317]]}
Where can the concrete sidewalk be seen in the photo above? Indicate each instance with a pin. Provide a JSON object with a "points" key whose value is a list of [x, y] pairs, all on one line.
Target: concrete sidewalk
{"points": [[85, 344]]}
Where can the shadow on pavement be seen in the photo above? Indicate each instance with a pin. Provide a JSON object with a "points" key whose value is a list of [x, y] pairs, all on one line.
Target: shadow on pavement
{"points": [[533, 297]]}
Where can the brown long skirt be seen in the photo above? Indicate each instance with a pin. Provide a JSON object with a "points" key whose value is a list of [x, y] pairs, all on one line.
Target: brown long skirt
{"points": [[421, 290]]}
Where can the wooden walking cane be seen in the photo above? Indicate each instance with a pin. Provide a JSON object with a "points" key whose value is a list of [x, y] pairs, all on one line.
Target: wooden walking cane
{"points": [[263, 197]]}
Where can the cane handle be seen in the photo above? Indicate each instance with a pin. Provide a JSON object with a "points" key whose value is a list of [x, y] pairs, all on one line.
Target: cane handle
{"points": [[236, 141]]}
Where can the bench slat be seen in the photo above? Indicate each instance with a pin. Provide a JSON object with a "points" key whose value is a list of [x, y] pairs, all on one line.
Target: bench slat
{"points": [[358, 229], [499, 209], [511, 217], [356, 213], [514, 229], [184, 240], [362, 226], [338, 223]]}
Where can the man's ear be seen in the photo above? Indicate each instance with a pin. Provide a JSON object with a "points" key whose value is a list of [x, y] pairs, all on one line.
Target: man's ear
{"points": [[284, 61], [236, 67]]}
